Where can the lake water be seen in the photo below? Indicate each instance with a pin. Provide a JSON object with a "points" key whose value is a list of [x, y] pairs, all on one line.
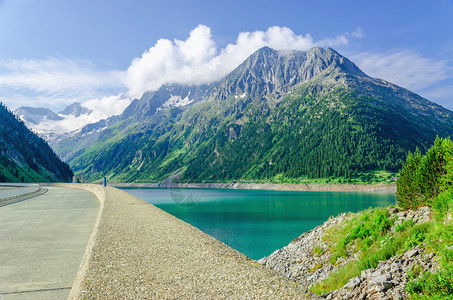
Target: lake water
{"points": [[257, 222]]}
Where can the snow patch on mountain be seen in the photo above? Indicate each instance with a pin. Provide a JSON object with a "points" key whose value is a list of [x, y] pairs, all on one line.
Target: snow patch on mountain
{"points": [[240, 96], [176, 101], [52, 126]]}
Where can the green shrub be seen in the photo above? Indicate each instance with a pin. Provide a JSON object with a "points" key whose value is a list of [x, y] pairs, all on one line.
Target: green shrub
{"points": [[442, 203], [423, 178], [417, 235], [433, 285], [405, 225]]}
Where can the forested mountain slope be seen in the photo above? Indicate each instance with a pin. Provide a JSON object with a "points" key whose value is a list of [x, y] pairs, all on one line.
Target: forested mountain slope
{"points": [[25, 157], [279, 114]]}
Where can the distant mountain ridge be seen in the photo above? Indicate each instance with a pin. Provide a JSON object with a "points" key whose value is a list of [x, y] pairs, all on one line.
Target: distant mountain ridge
{"points": [[53, 127], [24, 156], [174, 95], [76, 110], [36, 115], [280, 114]]}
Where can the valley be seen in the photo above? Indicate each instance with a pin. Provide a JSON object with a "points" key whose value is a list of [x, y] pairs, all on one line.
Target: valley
{"points": [[288, 116]]}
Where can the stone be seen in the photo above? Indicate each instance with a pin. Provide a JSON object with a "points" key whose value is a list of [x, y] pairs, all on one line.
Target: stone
{"points": [[262, 261], [423, 209], [410, 214], [374, 289], [383, 277], [395, 269], [365, 273], [353, 283], [380, 296], [401, 214], [376, 273], [411, 253], [347, 296], [393, 210], [387, 284]]}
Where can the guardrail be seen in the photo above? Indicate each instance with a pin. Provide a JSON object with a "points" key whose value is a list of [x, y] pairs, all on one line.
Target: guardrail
{"points": [[14, 190]]}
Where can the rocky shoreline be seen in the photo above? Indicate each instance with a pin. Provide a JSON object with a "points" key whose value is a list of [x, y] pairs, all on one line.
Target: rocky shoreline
{"points": [[389, 279], [269, 186], [307, 260]]}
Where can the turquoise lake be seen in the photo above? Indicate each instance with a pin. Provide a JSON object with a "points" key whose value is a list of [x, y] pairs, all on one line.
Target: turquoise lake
{"points": [[257, 222]]}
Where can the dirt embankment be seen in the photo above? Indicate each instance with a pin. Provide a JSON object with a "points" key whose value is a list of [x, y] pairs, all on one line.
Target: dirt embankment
{"points": [[271, 186]]}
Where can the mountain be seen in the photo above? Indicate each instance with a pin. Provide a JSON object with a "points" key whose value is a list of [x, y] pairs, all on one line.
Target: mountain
{"points": [[70, 146], [36, 115], [280, 114], [149, 104], [54, 127], [174, 95], [75, 109], [26, 157]]}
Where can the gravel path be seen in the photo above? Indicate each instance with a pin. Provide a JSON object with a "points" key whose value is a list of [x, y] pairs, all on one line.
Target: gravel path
{"points": [[138, 251]]}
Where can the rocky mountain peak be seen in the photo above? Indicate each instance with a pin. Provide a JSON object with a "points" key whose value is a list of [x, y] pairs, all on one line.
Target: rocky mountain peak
{"points": [[75, 109], [268, 71], [173, 95]]}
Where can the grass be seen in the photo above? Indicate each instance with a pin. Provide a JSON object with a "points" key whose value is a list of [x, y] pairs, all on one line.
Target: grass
{"points": [[368, 234]]}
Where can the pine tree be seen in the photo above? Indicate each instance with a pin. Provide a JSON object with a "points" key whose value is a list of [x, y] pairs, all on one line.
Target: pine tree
{"points": [[408, 192]]}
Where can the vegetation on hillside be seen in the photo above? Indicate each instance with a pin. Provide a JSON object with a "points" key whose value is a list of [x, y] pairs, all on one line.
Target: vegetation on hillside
{"points": [[277, 117], [308, 136], [341, 136], [424, 177], [25, 157], [426, 180]]}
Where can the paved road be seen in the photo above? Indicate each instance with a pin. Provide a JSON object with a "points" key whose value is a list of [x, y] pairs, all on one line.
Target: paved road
{"points": [[42, 242]]}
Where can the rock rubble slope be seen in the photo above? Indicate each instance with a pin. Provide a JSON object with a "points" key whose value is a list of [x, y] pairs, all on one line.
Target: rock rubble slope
{"points": [[389, 279], [308, 260]]}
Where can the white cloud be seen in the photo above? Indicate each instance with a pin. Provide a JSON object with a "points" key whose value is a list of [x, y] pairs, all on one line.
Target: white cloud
{"points": [[107, 106], [101, 109], [405, 68], [440, 93], [57, 82], [55, 75], [358, 33], [68, 124], [198, 60]]}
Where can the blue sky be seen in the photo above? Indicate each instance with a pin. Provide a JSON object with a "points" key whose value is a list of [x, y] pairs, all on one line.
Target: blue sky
{"points": [[105, 53]]}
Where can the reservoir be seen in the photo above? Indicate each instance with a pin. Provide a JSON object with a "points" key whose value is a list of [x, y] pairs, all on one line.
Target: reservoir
{"points": [[257, 222]]}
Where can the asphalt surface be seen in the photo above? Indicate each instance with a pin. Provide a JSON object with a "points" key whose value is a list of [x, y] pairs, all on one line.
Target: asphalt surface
{"points": [[42, 242]]}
